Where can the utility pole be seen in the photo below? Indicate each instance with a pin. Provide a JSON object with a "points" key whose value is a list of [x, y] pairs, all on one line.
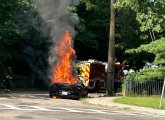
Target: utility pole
{"points": [[111, 51]]}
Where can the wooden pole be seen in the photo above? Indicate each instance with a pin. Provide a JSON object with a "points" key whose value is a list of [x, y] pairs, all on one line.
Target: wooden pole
{"points": [[111, 51]]}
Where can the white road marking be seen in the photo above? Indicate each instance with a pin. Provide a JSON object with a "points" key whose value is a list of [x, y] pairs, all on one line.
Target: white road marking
{"points": [[73, 110], [31, 107], [41, 108], [12, 107], [91, 110], [2, 107], [67, 109]]}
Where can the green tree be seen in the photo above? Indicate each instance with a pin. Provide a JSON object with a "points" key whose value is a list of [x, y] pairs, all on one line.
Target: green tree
{"points": [[23, 46], [149, 14], [93, 29], [92, 38], [157, 48], [9, 31]]}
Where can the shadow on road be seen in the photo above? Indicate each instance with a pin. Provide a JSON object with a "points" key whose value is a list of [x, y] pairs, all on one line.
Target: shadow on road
{"points": [[35, 94]]}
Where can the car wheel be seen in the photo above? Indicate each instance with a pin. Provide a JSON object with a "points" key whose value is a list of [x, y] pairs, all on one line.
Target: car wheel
{"points": [[51, 95], [85, 94], [97, 87]]}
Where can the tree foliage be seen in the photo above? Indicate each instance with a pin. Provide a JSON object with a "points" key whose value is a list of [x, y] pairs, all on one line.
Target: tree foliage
{"points": [[149, 13], [150, 74], [93, 29], [23, 46], [92, 38], [156, 47]]}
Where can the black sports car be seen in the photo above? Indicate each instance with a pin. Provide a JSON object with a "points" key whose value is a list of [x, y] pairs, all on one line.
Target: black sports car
{"points": [[65, 90]]}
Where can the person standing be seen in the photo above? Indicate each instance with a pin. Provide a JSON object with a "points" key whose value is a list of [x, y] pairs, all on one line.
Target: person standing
{"points": [[8, 79]]}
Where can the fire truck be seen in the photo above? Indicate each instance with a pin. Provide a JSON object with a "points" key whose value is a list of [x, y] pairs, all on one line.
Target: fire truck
{"points": [[92, 74]]}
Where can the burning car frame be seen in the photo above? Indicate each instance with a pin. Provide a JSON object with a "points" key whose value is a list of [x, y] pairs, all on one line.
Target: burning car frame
{"points": [[64, 83], [66, 90]]}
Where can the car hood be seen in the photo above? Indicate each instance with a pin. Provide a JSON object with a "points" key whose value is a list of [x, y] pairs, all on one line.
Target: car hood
{"points": [[63, 86]]}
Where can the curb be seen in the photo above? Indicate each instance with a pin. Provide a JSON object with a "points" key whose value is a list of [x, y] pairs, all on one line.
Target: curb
{"points": [[107, 102]]}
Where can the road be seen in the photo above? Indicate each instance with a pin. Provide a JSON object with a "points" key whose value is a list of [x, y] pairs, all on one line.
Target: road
{"points": [[38, 106]]}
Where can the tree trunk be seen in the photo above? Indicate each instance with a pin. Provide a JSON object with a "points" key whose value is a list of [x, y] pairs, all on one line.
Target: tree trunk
{"points": [[111, 51]]}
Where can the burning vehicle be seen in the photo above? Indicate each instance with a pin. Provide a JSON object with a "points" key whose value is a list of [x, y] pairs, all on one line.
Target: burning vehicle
{"points": [[65, 84], [65, 90]]}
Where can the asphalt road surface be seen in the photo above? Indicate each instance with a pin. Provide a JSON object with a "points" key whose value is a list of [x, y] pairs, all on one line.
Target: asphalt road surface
{"points": [[38, 106]]}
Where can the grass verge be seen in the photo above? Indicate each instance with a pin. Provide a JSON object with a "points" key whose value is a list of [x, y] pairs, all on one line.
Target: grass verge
{"points": [[142, 101]]}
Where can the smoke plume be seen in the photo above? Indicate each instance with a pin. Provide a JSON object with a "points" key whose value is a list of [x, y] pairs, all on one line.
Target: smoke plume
{"points": [[57, 15]]}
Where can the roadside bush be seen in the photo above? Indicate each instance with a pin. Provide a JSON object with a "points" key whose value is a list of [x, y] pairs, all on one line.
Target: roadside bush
{"points": [[149, 74], [157, 48]]}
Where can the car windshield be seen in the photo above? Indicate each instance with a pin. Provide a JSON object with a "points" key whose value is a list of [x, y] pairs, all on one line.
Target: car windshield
{"points": [[79, 83]]}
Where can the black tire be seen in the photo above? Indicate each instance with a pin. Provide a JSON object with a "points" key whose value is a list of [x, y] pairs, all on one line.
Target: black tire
{"points": [[85, 94], [51, 95], [97, 87]]}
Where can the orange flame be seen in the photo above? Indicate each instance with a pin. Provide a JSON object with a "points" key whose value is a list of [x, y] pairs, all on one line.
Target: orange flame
{"points": [[63, 70]]}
